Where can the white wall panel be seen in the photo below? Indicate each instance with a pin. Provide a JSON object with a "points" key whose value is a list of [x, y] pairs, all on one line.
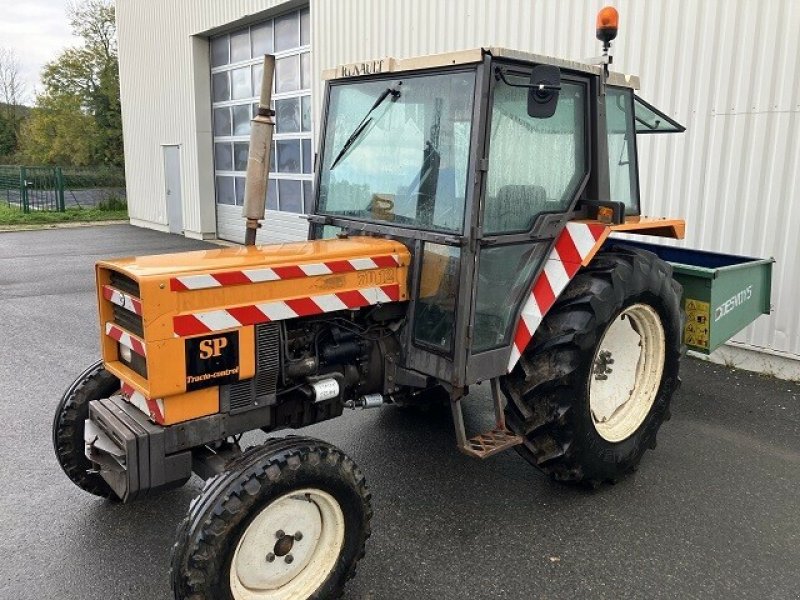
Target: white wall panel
{"points": [[727, 69], [164, 76]]}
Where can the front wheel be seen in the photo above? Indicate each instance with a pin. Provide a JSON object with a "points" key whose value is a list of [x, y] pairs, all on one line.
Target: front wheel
{"points": [[591, 391], [68, 425], [286, 521]]}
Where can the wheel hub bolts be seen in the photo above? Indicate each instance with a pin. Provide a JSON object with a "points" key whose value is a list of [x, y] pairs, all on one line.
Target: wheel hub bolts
{"points": [[284, 545], [601, 365]]}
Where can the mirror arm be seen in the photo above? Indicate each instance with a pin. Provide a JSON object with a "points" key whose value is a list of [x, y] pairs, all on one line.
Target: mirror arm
{"points": [[501, 75]]}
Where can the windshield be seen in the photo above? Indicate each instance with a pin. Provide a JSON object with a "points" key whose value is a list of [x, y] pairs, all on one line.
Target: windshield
{"points": [[407, 162]]}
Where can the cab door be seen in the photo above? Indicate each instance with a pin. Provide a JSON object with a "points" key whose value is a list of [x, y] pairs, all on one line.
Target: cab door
{"points": [[537, 169]]}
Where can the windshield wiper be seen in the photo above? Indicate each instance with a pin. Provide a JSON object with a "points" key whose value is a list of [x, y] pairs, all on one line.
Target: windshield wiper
{"points": [[395, 94]]}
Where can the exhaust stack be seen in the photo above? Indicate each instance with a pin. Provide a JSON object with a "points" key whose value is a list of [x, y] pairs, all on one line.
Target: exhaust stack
{"points": [[261, 129]]}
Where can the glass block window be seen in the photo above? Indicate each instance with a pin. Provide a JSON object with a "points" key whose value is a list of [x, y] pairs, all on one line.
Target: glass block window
{"points": [[237, 62]]}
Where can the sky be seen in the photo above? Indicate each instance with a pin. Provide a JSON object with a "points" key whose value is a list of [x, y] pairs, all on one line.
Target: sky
{"points": [[37, 30]]}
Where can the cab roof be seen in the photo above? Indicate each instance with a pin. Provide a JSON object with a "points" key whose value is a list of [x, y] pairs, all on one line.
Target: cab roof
{"points": [[464, 57]]}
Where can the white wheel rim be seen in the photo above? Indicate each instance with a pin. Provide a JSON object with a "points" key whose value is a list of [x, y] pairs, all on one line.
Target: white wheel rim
{"points": [[626, 372], [261, 568]]}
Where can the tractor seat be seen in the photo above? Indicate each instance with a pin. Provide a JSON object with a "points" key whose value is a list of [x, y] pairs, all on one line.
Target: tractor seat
{"points": [[514, 208]]}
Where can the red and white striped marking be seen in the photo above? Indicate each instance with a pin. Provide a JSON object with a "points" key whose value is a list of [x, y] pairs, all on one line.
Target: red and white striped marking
{"points": [[226, 278], [239, 316], [153, 408], [574, 244], [121, 299], [126, 339]]}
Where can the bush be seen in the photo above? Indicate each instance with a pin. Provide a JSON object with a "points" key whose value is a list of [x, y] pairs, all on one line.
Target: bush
{"points": [[113, 203], [77, 178], [12, 217]]}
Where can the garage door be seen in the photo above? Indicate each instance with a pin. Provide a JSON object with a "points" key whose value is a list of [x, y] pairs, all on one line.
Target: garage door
{"points": [[236, 68]]}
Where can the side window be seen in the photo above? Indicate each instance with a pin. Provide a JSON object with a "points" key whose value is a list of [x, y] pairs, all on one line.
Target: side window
{"points": [[434, 315], [502, 270], [535, 165], [620, 129], [651, 120]]}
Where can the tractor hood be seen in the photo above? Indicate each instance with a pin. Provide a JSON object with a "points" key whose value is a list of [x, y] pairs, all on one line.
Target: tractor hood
{"points": [[147, 301], [222, 261]]}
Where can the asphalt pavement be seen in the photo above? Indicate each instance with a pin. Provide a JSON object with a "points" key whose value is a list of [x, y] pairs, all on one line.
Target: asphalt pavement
{"points": [[713, 512]]}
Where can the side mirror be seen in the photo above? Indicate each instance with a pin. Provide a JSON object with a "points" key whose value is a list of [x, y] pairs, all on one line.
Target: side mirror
{"points": [[543, 89]]}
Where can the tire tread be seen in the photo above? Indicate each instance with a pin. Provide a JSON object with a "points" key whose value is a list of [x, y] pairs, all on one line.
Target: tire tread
{"points": [[94, 383], [214, 512], [541, 389]]}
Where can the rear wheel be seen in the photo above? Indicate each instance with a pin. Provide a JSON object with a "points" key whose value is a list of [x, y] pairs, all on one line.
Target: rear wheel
{"points": [[285, 521], [68, 425], [594, 386], [621, 397]]}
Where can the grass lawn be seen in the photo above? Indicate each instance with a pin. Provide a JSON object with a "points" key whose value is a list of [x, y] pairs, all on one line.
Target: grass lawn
{"points": [[10, 217]]}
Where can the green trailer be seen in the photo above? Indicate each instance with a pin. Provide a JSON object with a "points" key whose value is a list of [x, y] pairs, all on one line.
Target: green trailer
{"points": [[722, 293]]}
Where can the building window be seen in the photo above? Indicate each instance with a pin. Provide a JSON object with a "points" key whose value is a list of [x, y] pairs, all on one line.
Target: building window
{"points": [[237, 63]]}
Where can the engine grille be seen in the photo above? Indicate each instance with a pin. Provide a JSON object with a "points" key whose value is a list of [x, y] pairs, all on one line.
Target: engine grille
{"points": [[268, 358], [261, 389], [128, 320], [240, 396], [124, 284]]}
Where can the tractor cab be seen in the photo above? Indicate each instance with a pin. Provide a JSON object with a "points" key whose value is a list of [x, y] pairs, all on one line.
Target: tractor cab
{"points": [[476, 160]]}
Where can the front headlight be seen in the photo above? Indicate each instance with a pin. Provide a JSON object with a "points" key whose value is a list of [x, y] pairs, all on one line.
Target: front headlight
{"points": [[133, 361], [126, 354]]}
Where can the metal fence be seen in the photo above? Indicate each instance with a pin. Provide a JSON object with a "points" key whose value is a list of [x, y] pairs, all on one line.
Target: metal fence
{"points": [[33, 188], [58, 188], [93, 186]]}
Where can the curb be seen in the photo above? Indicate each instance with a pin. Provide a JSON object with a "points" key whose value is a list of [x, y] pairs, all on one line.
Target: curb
{"points": [[66, 225]]}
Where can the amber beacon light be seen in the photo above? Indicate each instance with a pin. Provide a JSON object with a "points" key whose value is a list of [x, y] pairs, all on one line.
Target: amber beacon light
{"points": [[607, 24]]}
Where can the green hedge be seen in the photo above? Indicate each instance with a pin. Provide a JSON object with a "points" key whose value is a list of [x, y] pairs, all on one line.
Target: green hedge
{"points": [[75, 178]]}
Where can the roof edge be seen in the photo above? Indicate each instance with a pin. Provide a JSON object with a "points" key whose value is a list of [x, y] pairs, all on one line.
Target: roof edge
{"points": [[391, 64]]}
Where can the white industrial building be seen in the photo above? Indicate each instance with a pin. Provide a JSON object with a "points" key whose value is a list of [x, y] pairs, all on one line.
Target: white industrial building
{"points": [[729, 70]]}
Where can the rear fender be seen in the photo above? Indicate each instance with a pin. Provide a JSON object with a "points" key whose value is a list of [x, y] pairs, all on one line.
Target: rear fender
{"points": [[575, 247]]}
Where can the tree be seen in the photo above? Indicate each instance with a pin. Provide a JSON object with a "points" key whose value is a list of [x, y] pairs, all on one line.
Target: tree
{"points": [[12, 92], [81, 86], [60, 132]]}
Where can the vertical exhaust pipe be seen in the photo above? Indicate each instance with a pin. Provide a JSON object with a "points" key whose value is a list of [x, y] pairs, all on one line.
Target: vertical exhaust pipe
{"points": [[261, 128]]}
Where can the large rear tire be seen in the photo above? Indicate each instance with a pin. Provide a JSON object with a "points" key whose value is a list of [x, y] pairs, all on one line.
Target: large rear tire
{"points": [[591, 391], [285, 521], [68, 425]]}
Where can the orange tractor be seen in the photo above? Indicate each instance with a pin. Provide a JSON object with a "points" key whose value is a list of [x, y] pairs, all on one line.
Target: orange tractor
{"points": [[463, 232]]}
